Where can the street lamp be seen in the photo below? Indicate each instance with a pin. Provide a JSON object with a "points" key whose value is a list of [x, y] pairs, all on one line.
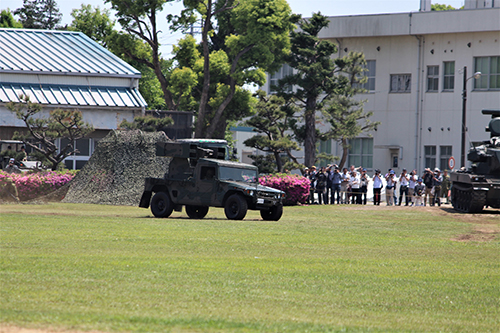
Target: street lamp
{"points": [[464, 108]]}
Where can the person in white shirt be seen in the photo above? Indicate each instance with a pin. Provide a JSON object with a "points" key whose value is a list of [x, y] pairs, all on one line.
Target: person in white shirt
{"points": [[377, 187], [344, 185], [403, 187], [355, 183], [411, 186], [389, 190]]}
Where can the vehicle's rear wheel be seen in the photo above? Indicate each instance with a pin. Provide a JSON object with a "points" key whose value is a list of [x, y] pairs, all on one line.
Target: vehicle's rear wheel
{"points": [[236, 207], [161, 205], [273, 214], [196, 212]]}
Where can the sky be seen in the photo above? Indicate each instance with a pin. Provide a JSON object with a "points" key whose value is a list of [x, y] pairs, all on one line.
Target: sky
{"points": [[304, 7]]}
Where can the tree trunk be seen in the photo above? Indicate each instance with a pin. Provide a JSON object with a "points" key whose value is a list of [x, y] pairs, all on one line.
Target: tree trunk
{"points": [[310, 139], [200, 120], [344, 153], [279, 163]]}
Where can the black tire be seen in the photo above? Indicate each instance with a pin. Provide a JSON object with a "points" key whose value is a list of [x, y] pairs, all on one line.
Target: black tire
{"points": [[273, 214], [196, 212], [161, 205], [236, 207]]}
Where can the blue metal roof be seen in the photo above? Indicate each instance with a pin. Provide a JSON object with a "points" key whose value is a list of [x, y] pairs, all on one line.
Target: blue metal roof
{"points": [[68, 95], [57, 52]]}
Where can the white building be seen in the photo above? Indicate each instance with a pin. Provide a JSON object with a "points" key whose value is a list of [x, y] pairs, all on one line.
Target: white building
{"points": [[415, 82], [67, 70]]}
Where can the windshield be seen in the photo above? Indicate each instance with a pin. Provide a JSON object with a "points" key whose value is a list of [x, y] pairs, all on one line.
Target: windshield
{"points": [[237, 174]]}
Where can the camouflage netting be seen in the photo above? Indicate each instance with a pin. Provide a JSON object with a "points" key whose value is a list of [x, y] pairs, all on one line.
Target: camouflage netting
{"points": [[115, 173]]}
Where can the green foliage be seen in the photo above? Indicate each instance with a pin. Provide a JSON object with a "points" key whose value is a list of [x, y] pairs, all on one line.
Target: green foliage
{"points": [[315, 78], [7, 20], [93, 22], [440, 7], [265, 163], [322, 268], [39, 14], [272, 123], [344, 112], [44, 131], [147, 123], [241, 40], [141, 43]]}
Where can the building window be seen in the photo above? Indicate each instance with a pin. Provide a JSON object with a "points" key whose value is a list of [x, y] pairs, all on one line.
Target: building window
{"points": [[274, 78], [325, 147], [401, 83], [370, 74], [430, 156], [432, 78], [449, 76], [445, 154], [361, 152], [490, 73]]}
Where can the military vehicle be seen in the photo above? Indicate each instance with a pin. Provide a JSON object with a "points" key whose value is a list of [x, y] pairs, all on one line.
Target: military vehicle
{"points": [[479, 186], [200, 176]]}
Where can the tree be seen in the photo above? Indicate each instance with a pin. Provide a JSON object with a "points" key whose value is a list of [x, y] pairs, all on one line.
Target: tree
{"points": [[39, 14], [98, 25], [344, 112], [43, 132], [240, 41], [8, 21], [315, 78], [271, 121], [147, 123], [440, 7], [93, 22], [138, 19]]}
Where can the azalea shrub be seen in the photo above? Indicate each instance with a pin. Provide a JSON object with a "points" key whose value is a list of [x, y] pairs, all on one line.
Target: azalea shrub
{"points": [[36, 184], [296, 187]]}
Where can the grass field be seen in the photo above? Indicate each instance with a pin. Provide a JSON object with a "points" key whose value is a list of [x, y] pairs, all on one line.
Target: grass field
{"points": [[318, 269]]}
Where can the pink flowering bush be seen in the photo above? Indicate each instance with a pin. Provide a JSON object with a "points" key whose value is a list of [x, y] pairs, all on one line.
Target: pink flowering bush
{"points": [[36, 184], [296, 187]]}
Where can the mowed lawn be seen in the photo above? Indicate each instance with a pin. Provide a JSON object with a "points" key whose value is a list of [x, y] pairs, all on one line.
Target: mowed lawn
{"points": [[318, 269]]}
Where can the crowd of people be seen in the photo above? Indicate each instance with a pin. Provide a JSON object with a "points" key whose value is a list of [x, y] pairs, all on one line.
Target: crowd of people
{"points": [[330, 185]]}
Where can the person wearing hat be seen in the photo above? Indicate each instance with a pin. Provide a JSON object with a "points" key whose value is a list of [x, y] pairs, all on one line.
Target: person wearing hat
{"points": [[437, 180], [355, 183], [418, 192], [427, 180], [12, 167], [391, 185]]}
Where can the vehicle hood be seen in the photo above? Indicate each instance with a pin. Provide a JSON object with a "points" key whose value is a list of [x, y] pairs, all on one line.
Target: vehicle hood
{"points": [[254, 186]]}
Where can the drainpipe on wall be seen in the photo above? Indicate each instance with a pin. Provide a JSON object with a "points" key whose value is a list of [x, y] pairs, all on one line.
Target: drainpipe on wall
{"points": [[418, 104]]}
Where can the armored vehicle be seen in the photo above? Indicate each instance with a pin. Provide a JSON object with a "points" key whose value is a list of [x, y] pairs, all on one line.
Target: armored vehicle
{"points": [[200, 177], [479, 186]]}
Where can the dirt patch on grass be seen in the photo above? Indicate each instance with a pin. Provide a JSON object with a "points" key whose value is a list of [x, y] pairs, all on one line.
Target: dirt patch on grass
{"points": [[15, 329]]}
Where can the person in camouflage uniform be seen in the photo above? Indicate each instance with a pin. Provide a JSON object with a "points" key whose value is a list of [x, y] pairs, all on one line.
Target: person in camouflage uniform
{"points": [[445, 186], [8, 190]]}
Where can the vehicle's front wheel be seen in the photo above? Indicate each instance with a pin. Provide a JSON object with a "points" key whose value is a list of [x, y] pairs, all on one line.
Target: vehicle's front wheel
{"points": [[273, 214], [196, 212], [161, 205], [236, 207]]}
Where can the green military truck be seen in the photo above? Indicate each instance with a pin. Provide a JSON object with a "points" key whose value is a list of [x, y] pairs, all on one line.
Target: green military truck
{"points": [[200, 177]]}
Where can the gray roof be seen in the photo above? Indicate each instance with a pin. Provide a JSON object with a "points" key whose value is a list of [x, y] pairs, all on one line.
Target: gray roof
{"points": [[71, 95], [58, 52]]}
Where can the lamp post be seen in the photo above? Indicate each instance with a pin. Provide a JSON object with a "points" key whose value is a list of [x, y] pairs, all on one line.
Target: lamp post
{"points": [[464, 108]]}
